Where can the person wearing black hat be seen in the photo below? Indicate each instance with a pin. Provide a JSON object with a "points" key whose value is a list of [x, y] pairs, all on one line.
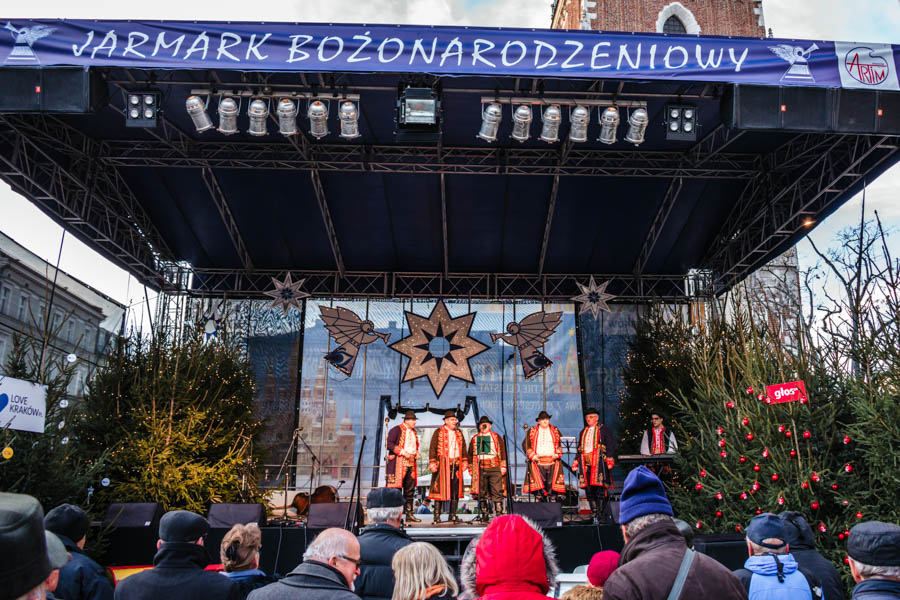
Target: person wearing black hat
{"points": [[544, 476], [403, 452], [595, 457], [771, 572], [25, 563], [487, 465], [447, 461], [802, 540], [874, 551], [82, 578], [378, 542], [178, 571]]}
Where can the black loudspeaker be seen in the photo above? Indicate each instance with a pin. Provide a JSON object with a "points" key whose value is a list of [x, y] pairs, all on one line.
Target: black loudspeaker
{"points": [[133, 515], [228, 514], [611, 514], [333, 514], [761, 107], [75, 90], [887, 114], [545, 514], [730, 549], [856, 111], [132, 531]]}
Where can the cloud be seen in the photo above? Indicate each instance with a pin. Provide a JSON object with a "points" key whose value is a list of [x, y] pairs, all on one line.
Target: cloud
{"points": [[868, 21]]}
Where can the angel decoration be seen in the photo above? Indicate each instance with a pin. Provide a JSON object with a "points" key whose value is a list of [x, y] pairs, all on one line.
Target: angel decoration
{"points": [[529, 335], [24, 38], [351, 332]]}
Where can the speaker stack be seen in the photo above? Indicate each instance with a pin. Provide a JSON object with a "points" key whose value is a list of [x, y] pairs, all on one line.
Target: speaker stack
{"points": [[133, 529], [72, 90]]}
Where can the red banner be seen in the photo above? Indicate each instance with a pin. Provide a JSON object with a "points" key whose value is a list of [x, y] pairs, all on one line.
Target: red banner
{"points": [[791, 391]]}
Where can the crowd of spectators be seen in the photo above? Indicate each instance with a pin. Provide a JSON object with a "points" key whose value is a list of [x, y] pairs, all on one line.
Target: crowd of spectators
{"points": [[44, 557]]}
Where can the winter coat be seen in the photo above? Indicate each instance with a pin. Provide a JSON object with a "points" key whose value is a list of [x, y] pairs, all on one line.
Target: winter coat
{"points": [[311, 580], [802, 547], [250, 580], [377, 545], [760, 578], [583, 592], [650, 561], [510, 562], [877, 589], [82, 578], [178, 573]]}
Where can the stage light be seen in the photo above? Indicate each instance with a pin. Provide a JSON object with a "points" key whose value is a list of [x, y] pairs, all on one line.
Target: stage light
{"points": [[287, 117], [228, 114], [552, 118], [580, 118], [258, 112], [349, 116], [681, 122], [521, 123], [637, 125], [491, 115], [418, 115], [196, 109], [318, 119], [142, 109], [808, 222], [609, 123]]}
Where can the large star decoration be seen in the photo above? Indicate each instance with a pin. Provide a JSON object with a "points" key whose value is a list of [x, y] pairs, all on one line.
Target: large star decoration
{"points": [[593, 298], [286, 293], [439, 347]]}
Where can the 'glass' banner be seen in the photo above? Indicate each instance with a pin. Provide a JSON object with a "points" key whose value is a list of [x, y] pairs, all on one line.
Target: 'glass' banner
{"points": [[447, 51]]}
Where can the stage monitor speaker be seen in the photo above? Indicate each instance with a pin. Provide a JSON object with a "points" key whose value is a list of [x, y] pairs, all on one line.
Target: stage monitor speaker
{"points": [[332, 514], [730, 549], [611, 515], [228, 514], [769, 108], [545, 514], [74, 90], [133, 515]]}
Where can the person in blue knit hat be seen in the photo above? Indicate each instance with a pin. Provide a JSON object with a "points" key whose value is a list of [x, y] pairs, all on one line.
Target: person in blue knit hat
{"points": [[655, 551]]}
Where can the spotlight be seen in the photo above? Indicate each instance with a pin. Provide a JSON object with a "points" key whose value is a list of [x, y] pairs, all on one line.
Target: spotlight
{"points": [[349, 116], [637, 125], [491, 116], [580, 118], [196, 109], [287, 117], [521, 123], [418, 115], [142, 109], [552, 118], [258, 111], [318, 118], [609, 122], [228, 113], [681, 122]]}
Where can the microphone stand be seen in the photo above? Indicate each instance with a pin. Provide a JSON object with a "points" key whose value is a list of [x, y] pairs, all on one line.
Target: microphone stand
{"points": [[510, 490], [316, 464], [284, 463], [356, 489]]}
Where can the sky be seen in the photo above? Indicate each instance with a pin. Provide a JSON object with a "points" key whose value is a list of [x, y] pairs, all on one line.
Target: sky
{"points": [[869, 20]]}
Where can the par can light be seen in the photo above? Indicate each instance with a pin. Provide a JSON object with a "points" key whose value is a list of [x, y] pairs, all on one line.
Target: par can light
{"points": [[609, 123], [490, 122], [287, 117], [258, 111], [552, 118], [349, 116], [580, 118], [196, 109], [228, 113], [318, 119], [521, 123], [637, 125]]}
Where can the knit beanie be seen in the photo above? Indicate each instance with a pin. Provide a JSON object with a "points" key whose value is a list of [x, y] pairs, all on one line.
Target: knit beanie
{"points": [[68, 520], [601, 567], [239, 547], [642, 494]]}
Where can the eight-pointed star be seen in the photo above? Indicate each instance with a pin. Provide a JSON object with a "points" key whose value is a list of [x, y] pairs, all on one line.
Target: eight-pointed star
{"points": [[593, 298], [286, 294], [459, 347]]}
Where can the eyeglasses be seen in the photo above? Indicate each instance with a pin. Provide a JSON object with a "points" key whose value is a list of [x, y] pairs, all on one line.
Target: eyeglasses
{"points": [[355, 561]]}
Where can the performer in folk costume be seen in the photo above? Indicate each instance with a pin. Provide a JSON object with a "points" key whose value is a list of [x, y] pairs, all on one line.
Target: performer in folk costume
{"points": [[544, 476], [403, 451], [447, 461], [487, 464], [595, 457], [655, 442]]}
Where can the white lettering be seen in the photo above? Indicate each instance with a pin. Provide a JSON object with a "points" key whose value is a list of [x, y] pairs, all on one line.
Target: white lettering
{"points": [[595, 55], [365, 37], [223, 47], [201, 44], [397, 54], [623, 54], [506, 46], [109, 37], [738, 63], [130, 46], [322, 44], [653, 56], [567, 64], [161, 43], [448, 53], [684, 56], [254, 47], [476, 53], [295, 48], [537, 55], [417, 45], [712, 63], [77, 51]]}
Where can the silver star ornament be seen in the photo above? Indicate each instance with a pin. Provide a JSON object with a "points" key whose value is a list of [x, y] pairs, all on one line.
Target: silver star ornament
{"points": [[286, 293], [593, 298]]}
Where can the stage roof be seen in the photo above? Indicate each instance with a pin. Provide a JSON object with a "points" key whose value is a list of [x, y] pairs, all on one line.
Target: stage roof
{"points": [[460, 217]]}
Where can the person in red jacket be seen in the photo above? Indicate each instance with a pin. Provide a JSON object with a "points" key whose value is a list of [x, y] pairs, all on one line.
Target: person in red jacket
{"points": [[511, 560]]}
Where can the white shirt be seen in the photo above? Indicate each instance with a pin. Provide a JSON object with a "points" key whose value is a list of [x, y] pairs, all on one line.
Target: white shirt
{"points": [[544, 446], [409, 443], [452, 443], [672, 445], [589, 440]]}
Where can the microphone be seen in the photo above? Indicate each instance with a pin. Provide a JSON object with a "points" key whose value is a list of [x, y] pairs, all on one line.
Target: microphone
{"points": [[299, 429]]}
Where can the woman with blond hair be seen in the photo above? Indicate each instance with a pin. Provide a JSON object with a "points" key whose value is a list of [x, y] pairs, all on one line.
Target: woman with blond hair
{"points": [[421, 573], [239, 553]]}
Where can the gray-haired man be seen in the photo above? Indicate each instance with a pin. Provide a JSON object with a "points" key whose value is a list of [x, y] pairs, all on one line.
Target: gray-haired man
{"points": [[379, 542]]}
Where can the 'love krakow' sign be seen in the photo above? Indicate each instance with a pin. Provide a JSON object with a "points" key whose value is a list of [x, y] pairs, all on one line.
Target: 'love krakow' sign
{"points": [[446, 50], [23, 405]]}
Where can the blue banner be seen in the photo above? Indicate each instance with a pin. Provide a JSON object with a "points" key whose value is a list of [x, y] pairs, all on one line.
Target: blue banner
{"points": [[447, 51]]}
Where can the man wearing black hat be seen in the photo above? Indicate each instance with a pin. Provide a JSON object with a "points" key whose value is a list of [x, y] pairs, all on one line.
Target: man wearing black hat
{"points": [[874, 551], [595, 452], [403, 452], [24, 562], [771, 572], [487, 465], [544, 476], [178, 567], [447, 461], [82, 578], [802, 540], [379, 542]]}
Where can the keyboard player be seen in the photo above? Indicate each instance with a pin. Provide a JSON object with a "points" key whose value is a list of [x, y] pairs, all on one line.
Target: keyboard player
{"points": [[659, 440]]}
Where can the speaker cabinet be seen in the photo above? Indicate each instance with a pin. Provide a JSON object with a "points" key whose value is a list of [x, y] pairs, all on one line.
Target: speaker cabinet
{"points": [[227, 514], [133, 515], [73, 90], [761, 107], [333, 514], [545, 514], [133, 529], [887, 113], [730, 549]]}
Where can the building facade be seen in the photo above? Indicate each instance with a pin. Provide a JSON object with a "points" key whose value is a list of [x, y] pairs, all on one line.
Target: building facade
{"points": [[82, 321]]}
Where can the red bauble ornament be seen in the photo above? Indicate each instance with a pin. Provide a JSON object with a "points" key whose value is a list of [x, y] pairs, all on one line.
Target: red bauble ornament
{"points": [[737, 527], [765, 453], [780, 500], [774, 476], [702, 473], [718, 513], [699, 486], [781, 428], [756, 467], [807, 434], [755, 486], [729, 404], [719, 495], [845, 503], [859, 515], [846, 532], [768, 400], [834, 486], [793, 453], [803, 399], [720, 430], [758, 511], [814, 505], [721, 443], [848, 467], [788, 433], [846, 439], [750, 391], [699, 525], [743, 495], [761, 397], [749, 437], [847, 560], [822, 527], [840, 536], [815, 477], [804, 485], [723, 454], [745, 421], [742, 459]]}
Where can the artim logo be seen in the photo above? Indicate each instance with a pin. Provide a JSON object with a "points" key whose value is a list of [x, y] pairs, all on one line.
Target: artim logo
{"points": [[866, 67]]}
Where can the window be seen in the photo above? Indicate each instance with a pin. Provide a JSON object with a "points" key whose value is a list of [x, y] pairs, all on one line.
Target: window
{"points": [[57, 320], [2, 352], [70, 330], [5, 293], [24, 303], [673, 25]]}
